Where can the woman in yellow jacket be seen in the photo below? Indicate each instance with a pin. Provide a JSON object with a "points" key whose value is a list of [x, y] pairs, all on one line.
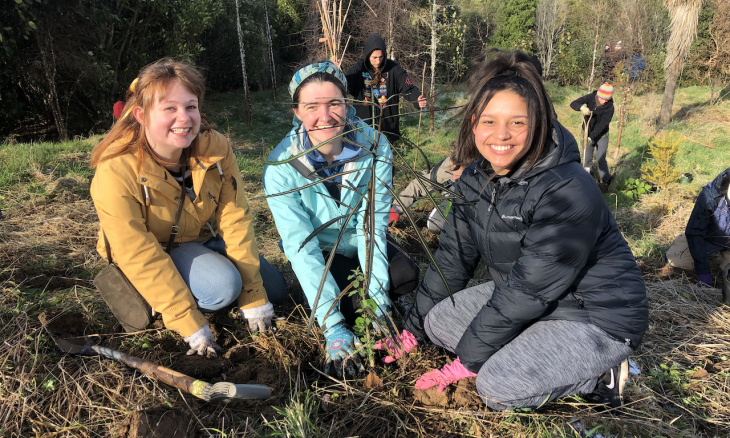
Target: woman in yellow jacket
{"points": [[137, 189]]}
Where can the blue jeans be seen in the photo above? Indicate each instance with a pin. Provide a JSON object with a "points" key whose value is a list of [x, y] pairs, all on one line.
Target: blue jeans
{"points": [[214, 280]]}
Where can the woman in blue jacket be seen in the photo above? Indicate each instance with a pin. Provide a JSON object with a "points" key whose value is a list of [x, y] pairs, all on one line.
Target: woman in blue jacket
{"points": [[326, 188]]}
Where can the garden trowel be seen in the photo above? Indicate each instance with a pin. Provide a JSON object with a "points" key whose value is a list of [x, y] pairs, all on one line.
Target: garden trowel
{"points": [[220, 392]]}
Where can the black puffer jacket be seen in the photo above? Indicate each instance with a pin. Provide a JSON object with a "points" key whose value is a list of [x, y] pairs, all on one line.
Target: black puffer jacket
{"points": [[552, 247], [602, 115], [708, 228], [397, 84]]}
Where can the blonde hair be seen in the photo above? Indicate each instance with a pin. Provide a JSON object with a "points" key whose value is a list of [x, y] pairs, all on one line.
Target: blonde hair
{"points": [[127, 135]]}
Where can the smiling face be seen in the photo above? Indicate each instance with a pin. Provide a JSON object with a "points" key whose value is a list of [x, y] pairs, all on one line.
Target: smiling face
{"points": [[172, 122], [501, 131], [376, 58], [322, 110]]}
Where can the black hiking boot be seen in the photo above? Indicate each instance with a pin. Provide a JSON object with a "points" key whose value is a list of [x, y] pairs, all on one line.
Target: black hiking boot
{"points": [[610, 387]]}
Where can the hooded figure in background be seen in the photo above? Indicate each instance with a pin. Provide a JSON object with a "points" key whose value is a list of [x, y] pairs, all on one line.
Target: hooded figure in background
{"points": [[379, 83]]}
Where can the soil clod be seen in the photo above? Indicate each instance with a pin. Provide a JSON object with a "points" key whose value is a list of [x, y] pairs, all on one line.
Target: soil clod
{"points": [[159, 422], [200, 367], [461, 395]]}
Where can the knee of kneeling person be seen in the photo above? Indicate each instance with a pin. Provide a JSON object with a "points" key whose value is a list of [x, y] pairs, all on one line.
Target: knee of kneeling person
{"points": [[494, 392], [224, 291]]}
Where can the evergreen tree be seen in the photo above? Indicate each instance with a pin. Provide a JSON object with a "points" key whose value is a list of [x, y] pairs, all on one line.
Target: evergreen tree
{"points": [[516, 19]]}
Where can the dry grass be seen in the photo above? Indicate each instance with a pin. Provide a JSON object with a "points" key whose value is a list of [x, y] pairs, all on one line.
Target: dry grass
{"points": [[46, 393]]}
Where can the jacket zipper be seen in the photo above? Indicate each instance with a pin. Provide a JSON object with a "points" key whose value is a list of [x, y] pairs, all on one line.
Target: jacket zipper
{"points": [[212, 198], [580, 300], [492, 204]]}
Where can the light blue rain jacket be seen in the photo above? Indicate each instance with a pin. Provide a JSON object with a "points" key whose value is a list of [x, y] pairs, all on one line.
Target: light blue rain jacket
{"points": [[299, 213]]}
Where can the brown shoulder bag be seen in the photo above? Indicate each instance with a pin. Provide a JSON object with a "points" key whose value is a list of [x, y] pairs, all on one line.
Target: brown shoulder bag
{"points": [[126, 303]]}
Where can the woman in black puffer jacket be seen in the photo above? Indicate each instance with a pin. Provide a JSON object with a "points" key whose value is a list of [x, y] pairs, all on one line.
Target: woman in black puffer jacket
{"points": [[567, 304]]}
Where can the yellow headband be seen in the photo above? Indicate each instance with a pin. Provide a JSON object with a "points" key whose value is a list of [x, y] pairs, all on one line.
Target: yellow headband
{"points": [[133, 85]]}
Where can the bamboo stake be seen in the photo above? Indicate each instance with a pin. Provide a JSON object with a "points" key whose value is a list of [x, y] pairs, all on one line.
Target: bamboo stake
{"points": [[420, 116]]}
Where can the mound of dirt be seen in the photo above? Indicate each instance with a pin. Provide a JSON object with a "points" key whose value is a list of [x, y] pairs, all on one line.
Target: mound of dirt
{"points": [[160, 422], [464, 395], [200, 367], [262, 374]]}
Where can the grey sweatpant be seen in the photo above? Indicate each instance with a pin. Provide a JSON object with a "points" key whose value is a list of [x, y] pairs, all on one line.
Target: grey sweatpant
{"points": [[418, 189], [548, 360], [601, 147]]}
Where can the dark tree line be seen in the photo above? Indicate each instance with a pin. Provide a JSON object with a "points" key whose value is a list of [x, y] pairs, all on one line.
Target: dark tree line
{"points": [[63, 63]]}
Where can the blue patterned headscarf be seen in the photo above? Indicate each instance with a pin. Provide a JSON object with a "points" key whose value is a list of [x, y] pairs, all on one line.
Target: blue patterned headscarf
{"points": [[326, 67], [305, 72]]}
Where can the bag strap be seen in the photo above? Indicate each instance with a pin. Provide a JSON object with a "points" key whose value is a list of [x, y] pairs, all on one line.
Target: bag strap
{"points": [[173, 232], [108, 248], [183, 195]]}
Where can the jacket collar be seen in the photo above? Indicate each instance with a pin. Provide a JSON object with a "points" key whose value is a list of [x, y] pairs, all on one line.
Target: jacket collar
{"points": [[302, 164]]}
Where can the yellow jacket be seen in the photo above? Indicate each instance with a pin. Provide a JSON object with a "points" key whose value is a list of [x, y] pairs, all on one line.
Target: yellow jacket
{"points": [[136, 231]]}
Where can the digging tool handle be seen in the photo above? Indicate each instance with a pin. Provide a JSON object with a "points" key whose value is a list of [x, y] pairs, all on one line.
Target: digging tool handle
{"points": [[165, 375], [585, 132]]}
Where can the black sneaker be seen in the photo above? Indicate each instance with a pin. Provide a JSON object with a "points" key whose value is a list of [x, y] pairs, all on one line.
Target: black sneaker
{"points": [[610, 387]]}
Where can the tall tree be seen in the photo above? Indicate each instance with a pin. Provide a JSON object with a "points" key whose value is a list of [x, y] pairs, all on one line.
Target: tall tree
{"points": [[246, 90], [516, 19], [599, 8], [685, 14], [272, 65], [549, 24]]}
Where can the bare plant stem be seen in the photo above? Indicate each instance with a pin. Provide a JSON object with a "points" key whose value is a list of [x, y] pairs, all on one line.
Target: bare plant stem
{"points": [[420, 116]]}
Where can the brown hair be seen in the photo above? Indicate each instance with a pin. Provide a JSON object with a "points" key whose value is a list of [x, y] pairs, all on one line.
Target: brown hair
{"points": [[505, 72], [127, 135]]}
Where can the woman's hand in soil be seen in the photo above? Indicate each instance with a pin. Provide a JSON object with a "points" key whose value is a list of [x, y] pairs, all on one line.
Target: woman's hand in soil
{"points": [[259, 318], [342, 350], [202, 343], [403, 344], [444, 377]]}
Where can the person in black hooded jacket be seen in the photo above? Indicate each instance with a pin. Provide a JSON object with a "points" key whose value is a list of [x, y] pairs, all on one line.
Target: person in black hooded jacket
{"points": [[380, 82], [567, 304]]}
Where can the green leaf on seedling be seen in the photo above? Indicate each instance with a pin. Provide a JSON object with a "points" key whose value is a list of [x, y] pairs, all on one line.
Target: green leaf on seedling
{"points": [[145, 346]]}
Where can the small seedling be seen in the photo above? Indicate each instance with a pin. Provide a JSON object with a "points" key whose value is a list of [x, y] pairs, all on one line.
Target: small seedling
{"points": [[362, 327], [635, 188]]}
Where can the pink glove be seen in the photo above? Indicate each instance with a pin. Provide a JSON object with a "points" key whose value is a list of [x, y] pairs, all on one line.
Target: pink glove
{"points": [[394, 216], [407, 340], [444, 377]]}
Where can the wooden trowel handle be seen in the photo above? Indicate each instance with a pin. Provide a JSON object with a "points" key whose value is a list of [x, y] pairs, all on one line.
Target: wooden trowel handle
{"points": [[164, 375]]}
